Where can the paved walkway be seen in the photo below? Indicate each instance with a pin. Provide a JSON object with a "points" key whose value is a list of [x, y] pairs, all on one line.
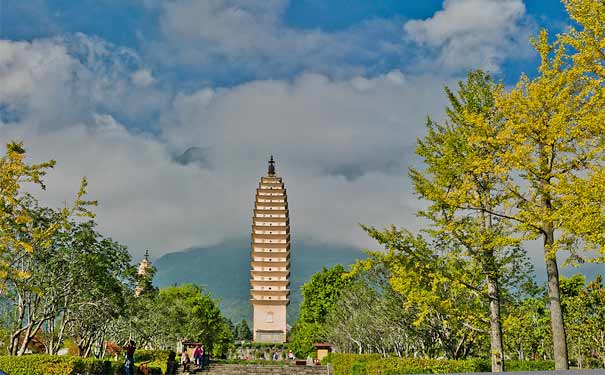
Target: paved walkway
{"points": [[559, 372]]}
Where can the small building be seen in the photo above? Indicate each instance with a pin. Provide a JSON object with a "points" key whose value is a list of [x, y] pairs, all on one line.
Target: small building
{"points": [[322, 349]]}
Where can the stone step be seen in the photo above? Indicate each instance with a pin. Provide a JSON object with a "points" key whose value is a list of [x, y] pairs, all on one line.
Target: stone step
{"points": [[252, 369]]}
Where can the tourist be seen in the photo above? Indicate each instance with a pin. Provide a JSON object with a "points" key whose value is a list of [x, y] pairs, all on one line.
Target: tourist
{"points": [[197, 355], [275, 355], [290, 355], [204, 358], [185, 360], [129, 363]]}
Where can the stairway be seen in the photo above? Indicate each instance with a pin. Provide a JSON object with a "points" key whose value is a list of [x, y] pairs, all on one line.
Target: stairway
{"points": [[232, 369]]}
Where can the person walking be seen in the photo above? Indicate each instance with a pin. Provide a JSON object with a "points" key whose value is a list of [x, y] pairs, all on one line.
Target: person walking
{"points": [[129, 362], [204, 357], [185, 360], [197, 355]]}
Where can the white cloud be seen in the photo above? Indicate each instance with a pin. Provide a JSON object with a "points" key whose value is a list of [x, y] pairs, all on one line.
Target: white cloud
{"points": [[342, 147], [64, 80], [249, 38], [142, 77], [343, 140], [473, 34]]}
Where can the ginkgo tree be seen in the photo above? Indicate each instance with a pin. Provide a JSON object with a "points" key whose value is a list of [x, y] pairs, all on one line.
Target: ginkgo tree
{"points": [[551, 150], [462, 182], [19, 234]]}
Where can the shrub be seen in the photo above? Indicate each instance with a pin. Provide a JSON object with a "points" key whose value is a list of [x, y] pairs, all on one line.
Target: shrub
{"points": [[343, 362], [152, 355], [515, 365], [41, 364], [396, 365], [375, 364]]}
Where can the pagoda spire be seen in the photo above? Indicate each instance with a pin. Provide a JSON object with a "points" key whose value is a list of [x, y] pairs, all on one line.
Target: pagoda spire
{"points": [[271, 170]]}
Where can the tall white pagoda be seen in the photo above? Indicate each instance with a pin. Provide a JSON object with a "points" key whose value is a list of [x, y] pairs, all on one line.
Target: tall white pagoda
{"points": [[270, 275]]}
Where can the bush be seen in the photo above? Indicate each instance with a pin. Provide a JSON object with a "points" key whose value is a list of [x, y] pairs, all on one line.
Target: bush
{"points": [[41, 364], [515, 365], [396, 365], [343, 362], [152, 355], [158, 359], [375, 364]]}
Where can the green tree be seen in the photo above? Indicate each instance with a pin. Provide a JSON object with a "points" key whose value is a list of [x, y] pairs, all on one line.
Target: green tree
{"points": [[321, 292], [526, 328], [242, 331], [179, 313], [74, 288], [319, 296], [584, 308]]}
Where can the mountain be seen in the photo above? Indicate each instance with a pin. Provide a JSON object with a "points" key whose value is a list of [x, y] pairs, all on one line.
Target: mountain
{"points": [[224, 270]]}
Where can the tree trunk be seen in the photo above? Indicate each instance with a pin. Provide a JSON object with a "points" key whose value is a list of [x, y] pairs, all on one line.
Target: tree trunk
{"points": [[495, 324], [554, 297]]}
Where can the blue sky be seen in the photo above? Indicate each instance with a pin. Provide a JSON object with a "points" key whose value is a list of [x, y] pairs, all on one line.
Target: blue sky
{"points": [[338, 90], [135, 23]]}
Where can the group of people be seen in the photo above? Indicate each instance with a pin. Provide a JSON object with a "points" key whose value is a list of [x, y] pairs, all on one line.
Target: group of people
{"points": [[276, 355], [200, 358]]}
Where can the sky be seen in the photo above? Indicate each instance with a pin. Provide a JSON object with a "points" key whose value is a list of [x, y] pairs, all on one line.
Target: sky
{"points": [[172, 108]]}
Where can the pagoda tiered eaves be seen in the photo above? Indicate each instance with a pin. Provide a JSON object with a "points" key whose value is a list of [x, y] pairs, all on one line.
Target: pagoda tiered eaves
{"points": [[270, 258]]}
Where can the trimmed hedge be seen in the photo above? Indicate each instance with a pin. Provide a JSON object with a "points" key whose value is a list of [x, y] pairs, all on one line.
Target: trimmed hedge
{"points": [[41, 364], [396, 365], [158, 360], [343, 363], [516, 365], [375, 364]]}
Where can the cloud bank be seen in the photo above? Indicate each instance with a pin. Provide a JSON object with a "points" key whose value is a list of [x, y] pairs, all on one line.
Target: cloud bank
{"points": [[473, 33], [175, 164]]}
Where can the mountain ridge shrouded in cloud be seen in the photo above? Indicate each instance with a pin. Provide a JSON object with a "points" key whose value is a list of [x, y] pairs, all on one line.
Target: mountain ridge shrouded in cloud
{"points": [[224, 269]]}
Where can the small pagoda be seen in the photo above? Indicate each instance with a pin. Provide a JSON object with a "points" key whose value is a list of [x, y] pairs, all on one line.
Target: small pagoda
{"points": [[145, 273], [270, 275]]}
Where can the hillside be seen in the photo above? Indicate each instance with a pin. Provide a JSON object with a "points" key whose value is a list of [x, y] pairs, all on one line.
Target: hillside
{"points": [[225, 270]]}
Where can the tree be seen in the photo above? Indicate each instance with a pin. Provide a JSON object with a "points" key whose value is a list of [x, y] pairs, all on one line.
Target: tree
{"points": [[242, 331], [103, 282], [74, 288], [462, 172], [321, 292], [319, 296], [526, 328], [550, 150], [441, 294], [180, 313], [584, 308], [20, 236]]}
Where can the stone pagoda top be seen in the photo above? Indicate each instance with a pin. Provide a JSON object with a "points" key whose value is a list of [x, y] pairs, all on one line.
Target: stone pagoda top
{"points": [[271, 170]]}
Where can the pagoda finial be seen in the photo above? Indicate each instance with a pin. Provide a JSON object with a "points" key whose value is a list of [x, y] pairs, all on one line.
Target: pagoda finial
{"points": [[271, 170], [147, 254]]}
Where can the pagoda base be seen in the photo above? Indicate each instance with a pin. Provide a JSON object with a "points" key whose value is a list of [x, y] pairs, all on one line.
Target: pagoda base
{"points": [[269, 323], [270, 337]]}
